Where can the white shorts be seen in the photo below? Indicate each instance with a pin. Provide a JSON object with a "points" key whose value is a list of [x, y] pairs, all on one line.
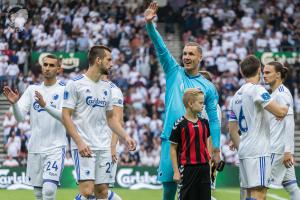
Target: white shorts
{"points": [[255, 172], [280, 175], [97, 168], [45, 167]]}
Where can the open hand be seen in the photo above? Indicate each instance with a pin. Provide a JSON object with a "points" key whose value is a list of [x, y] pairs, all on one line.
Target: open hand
{"points": [[12, 96], [39, 98], [150, 12]]}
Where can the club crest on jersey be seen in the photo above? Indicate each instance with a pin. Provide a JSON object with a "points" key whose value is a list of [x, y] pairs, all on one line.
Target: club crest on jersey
{"points": [[105, 92], [37, 107], [266, 96], [94, 102], [55, 96]]}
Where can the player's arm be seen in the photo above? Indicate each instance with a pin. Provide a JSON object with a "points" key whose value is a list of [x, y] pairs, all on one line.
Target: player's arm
{"points": [[174, 140], [118, 112], [167, 61], [115, 125], [211, 101], [276, 109], [21, 105], [69, 104], [56, 113], [234, 133], [262, 97], [173, 151], [83, 149]]}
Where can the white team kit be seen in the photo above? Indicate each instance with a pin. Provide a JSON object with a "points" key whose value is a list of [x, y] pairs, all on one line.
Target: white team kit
{"points": [[282, 140], [47, 144], [247, 108], [117, 100], [90, 101]]}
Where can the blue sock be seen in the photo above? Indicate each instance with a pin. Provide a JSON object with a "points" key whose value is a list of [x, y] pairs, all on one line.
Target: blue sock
{"points": [[169, 190], [80, 197], [249, 198]]}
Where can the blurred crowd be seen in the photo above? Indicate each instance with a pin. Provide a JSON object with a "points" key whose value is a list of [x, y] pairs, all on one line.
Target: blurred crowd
{"points": [[227, 31]]}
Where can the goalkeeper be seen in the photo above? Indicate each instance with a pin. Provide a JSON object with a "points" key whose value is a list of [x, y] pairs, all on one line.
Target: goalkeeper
{"points": [[178, 79]]}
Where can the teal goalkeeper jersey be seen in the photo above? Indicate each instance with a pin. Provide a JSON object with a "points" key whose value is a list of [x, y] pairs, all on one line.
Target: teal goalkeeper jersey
{"points": [[177, 81]]}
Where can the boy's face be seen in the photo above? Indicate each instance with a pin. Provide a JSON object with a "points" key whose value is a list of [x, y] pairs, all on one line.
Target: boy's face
{"points": [[197, 105]]}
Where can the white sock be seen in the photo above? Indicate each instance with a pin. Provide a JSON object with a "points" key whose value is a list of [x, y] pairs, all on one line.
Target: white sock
{"points": [[243, 194], [38, 193], [49, 191], [293, 190], [113, 196]]}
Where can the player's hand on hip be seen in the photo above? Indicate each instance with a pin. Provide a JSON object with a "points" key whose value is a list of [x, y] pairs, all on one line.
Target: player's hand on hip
{"points": [[84, 150], [176, 177], [40, 99], [131, 143], [288, 160], [232, 146], [150, 12], [12, 96]]}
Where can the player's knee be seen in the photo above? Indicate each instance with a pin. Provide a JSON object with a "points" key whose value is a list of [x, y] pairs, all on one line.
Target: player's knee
{"points": [[101, 191], [87, 192], [49, 190], [38, 193]]}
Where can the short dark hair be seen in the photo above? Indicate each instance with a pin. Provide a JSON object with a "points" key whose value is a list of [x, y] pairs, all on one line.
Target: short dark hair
{"points": [[279, 67], [52, 56], [97, 51], [249, 66], [195, 44]]}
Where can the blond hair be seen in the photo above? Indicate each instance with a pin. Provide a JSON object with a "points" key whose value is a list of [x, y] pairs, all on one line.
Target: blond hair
{"points": [[190, 95]]}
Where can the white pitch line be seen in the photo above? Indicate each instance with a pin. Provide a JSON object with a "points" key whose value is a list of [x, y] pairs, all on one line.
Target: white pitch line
{"points": [[274, 196]]}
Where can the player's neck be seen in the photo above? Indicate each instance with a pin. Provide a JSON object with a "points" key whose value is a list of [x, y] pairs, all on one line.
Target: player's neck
{"points": [[49, 82], [104, 78], [93, 74], [193, 72], [254, 80], [191, 116], [276, 85]]}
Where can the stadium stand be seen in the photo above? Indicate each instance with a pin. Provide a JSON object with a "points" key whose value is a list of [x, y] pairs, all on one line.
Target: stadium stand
{"points": [[72, 27]]}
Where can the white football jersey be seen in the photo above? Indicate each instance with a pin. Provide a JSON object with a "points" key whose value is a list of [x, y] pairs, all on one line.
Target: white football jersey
{"points": [[90, 101], [247, 108], [283, 96], [47, 133], [117, 100]]}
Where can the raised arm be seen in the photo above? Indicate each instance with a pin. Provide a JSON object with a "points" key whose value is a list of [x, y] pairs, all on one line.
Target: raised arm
{"points": [[167, 61], [20, 105]]}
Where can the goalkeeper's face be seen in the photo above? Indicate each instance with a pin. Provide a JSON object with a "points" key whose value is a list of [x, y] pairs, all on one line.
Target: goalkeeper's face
{"points": [[191, 58]]}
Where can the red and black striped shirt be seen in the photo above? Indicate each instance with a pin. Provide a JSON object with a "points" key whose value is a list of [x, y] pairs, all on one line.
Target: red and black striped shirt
{"points": [[192, 141]]}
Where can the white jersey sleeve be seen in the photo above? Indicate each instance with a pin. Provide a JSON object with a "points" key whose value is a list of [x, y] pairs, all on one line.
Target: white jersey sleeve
{"points": [[261, 96], [232, 115], [70, 97], [117, 97], [22, 107]]}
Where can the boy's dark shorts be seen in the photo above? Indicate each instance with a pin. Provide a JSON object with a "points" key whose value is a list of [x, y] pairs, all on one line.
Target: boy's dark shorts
{"points": [[195, 182]]}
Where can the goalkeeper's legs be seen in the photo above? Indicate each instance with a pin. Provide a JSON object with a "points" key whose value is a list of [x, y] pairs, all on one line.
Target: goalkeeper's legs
{"points": [[169, 190]]}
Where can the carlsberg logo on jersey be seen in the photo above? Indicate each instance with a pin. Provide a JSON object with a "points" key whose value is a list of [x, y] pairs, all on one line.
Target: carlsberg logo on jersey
{"points": [[134, 179], [94, 102]]}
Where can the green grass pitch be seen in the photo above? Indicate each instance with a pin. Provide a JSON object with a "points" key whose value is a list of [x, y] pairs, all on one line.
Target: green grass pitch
{"points": [[69, 194]]}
